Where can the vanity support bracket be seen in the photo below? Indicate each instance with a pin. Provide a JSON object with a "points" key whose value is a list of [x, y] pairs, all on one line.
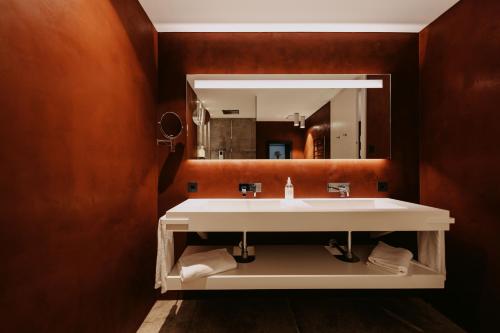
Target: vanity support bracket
{"points": [[244, 257], [347, 254]]}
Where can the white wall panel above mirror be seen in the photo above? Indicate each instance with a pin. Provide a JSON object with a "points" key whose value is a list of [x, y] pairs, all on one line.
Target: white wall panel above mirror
{"points": [[303, 116]]}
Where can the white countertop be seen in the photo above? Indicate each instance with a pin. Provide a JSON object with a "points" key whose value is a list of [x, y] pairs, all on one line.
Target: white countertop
{"points": [[349, 214], [251, 205]]}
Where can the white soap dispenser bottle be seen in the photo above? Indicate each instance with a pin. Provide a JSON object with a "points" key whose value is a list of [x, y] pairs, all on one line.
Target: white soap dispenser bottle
{"points": [[289, 189]]}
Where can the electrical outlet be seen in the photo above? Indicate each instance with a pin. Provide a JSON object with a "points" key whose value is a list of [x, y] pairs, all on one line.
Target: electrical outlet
{"points": [[192, 187], [383, 186]]}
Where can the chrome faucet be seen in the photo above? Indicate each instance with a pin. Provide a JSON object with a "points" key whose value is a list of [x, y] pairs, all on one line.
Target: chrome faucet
{"points": [[255, 188], [342, 188]]}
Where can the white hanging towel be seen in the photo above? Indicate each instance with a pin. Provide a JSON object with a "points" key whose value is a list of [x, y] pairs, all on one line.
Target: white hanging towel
{"points": [[393, 259], [207, 263], [164, 255], [431, 250]]}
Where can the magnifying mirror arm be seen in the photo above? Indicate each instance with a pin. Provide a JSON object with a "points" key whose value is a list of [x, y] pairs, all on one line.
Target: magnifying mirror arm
{"points": [[169, 142]]}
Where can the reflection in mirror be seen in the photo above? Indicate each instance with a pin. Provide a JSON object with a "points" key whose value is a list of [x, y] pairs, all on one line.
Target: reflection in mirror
{"points": [[333, 116]]}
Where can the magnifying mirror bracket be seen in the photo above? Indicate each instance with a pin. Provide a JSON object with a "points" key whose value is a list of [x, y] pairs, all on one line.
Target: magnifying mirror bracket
{"points": [[166, 142]]}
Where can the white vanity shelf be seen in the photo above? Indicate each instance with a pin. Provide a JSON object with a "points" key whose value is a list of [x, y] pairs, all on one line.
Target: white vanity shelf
{"points": [[307, 267]]}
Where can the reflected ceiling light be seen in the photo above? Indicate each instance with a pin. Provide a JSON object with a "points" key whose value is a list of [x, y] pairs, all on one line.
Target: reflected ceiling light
{"points": [[289, 27], [295, 119], [287, 84], [302, 121]]}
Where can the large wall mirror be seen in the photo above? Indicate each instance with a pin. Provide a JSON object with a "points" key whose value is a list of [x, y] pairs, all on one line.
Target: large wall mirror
{"points": [[334, 116]]}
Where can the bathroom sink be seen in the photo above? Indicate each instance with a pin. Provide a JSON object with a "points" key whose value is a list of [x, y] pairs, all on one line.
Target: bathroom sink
{"points": [[349, 204], [305, 214], [276, 205]]}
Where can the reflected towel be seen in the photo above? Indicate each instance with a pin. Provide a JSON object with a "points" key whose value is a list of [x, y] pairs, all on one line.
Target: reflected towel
{"points": [[164, 255], [393, 259], [202, 264]]}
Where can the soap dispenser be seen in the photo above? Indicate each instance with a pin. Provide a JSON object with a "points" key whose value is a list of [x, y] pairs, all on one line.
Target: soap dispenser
{"points": [[289, 189]]}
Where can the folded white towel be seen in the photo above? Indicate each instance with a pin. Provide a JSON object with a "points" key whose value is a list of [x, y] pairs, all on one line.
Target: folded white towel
{"points": [[393, 259], [202, 264]]}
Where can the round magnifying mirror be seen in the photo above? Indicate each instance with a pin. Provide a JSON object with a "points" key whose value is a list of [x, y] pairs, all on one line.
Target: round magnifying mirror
{"points": [[171, 127]]}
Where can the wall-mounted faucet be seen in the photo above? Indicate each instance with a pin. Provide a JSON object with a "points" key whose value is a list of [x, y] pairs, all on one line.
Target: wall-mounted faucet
{"points": [[255, 188], [342, 188]]}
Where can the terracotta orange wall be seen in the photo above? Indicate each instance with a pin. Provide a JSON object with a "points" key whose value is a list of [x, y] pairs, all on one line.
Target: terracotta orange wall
{"points": [[378, 119], [78, 155], [371, 53], [460, 96]]}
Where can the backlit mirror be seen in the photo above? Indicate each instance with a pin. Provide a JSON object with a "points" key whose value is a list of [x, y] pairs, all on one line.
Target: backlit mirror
{"points": [[327, 116]]}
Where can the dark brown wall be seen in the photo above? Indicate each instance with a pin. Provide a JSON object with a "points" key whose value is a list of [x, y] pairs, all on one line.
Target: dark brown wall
{"points": [[78, 181], [460, 97], [318, 127], [273, 53], [279, 131]]}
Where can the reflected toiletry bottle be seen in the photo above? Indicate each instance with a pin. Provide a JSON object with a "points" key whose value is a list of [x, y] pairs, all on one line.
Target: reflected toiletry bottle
{"points": [[201, 152], [289, 189]]}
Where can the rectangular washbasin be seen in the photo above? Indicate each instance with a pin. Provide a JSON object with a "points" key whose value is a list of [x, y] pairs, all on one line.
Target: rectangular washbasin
{"points": [[352, 204], [282, 205]]}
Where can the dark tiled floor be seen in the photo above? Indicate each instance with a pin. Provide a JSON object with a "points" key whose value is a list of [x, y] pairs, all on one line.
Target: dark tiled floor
{"points": [[296, 314]]}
